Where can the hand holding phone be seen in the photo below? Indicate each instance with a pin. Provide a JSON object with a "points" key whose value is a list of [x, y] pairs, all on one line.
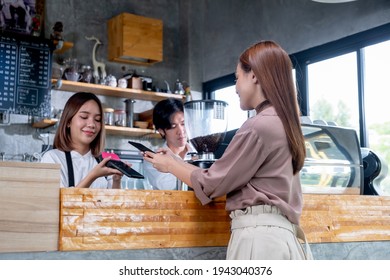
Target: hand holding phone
{"points": [[116, 163], [141, 147]]}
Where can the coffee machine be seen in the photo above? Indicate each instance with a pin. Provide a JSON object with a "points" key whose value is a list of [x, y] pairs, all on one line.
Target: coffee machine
{"points": [[206, 124]]}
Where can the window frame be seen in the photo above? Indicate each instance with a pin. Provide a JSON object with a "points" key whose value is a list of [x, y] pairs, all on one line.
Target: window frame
{"points": [[208, 88], [353, 43]]}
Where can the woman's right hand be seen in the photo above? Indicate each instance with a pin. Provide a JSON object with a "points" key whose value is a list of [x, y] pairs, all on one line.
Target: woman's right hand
{"points": [[101, 169]]}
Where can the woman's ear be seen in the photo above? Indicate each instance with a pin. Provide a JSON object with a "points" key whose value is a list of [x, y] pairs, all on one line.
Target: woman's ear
{"points": [[254, 78]]}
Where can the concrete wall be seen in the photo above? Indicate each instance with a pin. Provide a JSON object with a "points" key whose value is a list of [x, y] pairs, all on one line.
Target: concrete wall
{"points": [[202, 40], [221, 29], [87, 18]]}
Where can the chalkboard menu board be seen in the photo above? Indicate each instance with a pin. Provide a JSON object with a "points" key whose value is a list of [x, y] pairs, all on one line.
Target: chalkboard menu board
{"points": [[25, 72]]}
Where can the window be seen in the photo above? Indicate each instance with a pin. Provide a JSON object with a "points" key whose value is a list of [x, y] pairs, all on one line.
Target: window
{"points": [[376, 88], [333, 91], [236, 116], [344, 82], [224, 89]]}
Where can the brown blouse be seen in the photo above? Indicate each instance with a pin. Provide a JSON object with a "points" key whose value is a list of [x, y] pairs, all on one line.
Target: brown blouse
{"points": [[256, 168]]}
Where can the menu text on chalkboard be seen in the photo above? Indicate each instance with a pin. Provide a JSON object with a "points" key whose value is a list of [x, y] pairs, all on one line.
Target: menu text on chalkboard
{"points": [[25, 71]]}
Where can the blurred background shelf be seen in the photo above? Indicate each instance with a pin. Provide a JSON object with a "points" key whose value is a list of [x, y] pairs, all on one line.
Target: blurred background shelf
{"points": [[111, 130], [44, 123], [131, 131], [66, 46], [104, 90]]}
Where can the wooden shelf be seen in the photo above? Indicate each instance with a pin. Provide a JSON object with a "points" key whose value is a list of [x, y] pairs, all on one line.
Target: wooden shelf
{"points": [[111, 130], [44, 123], [127, 93], [130, 131], [66, 46]]}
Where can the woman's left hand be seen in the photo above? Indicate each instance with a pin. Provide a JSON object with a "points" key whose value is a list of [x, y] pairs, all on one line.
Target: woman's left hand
{"points": [[117, 178]]}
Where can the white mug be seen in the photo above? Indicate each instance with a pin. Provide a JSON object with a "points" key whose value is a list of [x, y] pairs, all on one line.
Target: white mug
{"points": [[122, 83], [73, 76]]}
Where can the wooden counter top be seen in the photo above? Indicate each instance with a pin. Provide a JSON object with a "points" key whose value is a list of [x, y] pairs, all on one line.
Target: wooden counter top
{"points": [[135, 219]]}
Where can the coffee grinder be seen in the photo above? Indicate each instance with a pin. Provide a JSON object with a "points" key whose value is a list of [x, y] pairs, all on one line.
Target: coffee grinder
{"points": [[206, 125]]}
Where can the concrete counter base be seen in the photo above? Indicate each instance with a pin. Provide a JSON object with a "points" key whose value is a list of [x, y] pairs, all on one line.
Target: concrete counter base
{"points": [[321, 251]]}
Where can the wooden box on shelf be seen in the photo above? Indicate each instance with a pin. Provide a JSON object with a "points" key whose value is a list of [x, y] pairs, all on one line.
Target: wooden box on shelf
{"points": [[135, 39]]}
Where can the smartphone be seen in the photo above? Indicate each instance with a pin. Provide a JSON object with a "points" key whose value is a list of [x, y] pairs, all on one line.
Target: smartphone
{"points": [[141, 147], [116, 163]]}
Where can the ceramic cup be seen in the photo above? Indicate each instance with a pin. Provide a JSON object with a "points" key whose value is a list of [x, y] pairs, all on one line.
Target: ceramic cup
{"points": [[73, 76], [122, 83]]}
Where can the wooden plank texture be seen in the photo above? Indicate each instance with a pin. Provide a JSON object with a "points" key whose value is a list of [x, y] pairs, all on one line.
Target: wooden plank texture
{"points": [[136, 219], [127, 219], [29, 206], [346, 218]]}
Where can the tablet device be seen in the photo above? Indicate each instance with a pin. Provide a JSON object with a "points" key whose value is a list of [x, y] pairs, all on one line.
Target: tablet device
{"points": [[116, 163], [141, 147]]}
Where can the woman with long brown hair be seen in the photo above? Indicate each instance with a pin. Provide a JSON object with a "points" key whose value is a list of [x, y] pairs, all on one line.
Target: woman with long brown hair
{"points": [[259, 171], [78, 141]]}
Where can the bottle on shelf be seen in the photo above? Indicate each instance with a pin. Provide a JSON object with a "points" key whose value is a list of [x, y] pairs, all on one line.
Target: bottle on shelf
{"points": [[187, 93], [130, 112], [179, 89], [120, 117], [109, 116]]}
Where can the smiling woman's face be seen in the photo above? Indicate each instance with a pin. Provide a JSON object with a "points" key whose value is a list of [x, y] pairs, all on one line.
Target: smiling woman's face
{"points": [[85, 126]]}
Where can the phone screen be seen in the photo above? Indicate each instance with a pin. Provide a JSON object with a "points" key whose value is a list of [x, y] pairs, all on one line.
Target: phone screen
{"points": [[116, 163], [125, 169], [141, 147]]}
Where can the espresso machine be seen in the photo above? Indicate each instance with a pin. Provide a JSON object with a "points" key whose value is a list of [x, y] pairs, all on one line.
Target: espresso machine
{"points": [[206, 124]]}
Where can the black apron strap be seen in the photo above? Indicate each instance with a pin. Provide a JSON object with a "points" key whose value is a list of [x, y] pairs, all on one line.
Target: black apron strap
{"points": [[70, 169]]}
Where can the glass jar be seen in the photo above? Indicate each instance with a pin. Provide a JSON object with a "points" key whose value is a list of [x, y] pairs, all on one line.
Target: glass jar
{"points": [[109, 116], [120, 117], [86, 71]]}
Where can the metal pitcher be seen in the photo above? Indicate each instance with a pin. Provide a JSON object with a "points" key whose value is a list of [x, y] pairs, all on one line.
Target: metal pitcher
{"points": [[130, 112]]}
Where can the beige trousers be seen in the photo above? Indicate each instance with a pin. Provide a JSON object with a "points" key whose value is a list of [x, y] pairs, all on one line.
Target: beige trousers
{"points": [[262, 232]]}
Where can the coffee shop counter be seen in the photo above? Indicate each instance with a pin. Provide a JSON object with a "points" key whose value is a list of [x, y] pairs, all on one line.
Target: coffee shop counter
{"points": [[38, 219]]}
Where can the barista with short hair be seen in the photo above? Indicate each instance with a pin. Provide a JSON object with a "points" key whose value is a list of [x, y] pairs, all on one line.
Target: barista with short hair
{"points": [[168, 119]]}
